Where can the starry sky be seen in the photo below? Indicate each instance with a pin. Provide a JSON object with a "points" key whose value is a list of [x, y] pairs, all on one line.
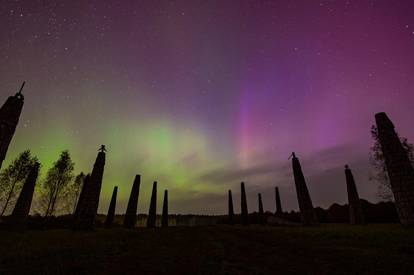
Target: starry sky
{"points": [[200, 95]]}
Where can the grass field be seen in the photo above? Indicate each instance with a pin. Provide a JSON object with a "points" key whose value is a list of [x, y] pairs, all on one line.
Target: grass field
{"points": [[325, 249]]}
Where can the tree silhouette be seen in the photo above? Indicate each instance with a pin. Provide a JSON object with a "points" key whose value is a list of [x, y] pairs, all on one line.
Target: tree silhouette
{"points": [[57, 180], [377, 160], [12, 178]]}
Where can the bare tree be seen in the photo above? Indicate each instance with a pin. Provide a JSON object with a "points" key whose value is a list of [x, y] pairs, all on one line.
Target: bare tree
{"points": [[12, 178], [377, 160], [57, 180]]}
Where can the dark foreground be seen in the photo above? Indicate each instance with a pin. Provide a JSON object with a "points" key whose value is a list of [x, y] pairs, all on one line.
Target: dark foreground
{"points": [[326, 249]]}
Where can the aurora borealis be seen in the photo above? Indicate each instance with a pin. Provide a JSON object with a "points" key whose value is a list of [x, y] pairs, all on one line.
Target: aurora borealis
{"points": [[201, 95]]}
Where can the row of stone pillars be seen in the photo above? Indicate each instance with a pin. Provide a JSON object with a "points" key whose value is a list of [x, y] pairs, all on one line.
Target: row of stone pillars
{"points": [[399, 169], [307, 211], [87, 206], [131, 212], [244, 216]]}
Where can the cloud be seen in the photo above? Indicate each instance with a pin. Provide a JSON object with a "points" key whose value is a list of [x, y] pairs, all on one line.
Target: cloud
{"points": [[268, 166], [224, 174]]}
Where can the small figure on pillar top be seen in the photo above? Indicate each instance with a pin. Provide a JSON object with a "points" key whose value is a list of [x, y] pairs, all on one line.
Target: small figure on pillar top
{"points": [[346, 166], [102, 149], [292, 155]]}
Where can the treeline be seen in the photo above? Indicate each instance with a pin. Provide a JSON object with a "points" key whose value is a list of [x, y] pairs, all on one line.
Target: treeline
{"points": [[35, 222], [55, 194], [383, 212]]}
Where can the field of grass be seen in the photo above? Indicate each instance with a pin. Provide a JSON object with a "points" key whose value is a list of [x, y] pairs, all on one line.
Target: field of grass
{"points": [[325, 249]]}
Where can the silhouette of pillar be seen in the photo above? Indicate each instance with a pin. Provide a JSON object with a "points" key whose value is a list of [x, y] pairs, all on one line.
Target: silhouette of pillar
{"points": [[278, 203], [244, 212], [87, 207], [111, 211], [82, 195], [231, 211], [9, 118], [164, 220], [21, 210], [261, 213], [152, 214], [399, 169], [355, 210], [307, 212], [131, 212]]}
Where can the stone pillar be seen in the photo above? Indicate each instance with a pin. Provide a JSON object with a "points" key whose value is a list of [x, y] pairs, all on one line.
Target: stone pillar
{"points": [[399, 169], [244, 217], [111, 211], [130, 218], [164, 220], [152, 214], [231, 211], [87, 207], [307, 212], [82, 195], [261, 213], [355, 210], [278, 203], [9, 118], [21, 210]]}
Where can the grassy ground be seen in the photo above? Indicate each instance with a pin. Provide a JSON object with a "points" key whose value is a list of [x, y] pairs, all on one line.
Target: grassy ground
{"points": [[326, 249]]}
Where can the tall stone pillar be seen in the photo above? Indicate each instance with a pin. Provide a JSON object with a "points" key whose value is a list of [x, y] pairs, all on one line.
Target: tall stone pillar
{"points": [[130, 218], [87, 207], [231, 211], [244, 217], [84, 191], [355, 210], [307, 212], [21, 210], [399, 169], [164, 220], [152, 214], [111, 211], [261, 213], [278, 203], [9, 118]]}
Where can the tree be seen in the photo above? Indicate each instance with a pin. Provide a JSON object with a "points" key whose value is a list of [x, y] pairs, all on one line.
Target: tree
{"points": [[12, 178], [378, 162], [56, 183]]}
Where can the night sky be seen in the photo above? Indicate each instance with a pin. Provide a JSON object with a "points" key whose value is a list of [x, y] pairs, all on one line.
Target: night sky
{"points": [[200, 95]]}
